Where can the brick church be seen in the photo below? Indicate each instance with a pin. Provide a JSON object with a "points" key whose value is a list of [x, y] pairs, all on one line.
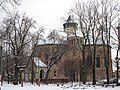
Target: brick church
{"points": [[70, 63]]}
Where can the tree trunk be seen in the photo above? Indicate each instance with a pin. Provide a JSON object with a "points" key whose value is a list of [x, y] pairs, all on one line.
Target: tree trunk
{"points": [[46, 76], [83, 67], [80, 66], [20, 77], [117, 76], [8, 77], [7, 71], [107, 68], [16, 75], [32, 74], [94, 75], [107, 74]]}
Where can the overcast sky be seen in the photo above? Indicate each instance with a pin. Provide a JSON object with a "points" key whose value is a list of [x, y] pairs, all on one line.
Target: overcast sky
{"points": [[47, 13]]}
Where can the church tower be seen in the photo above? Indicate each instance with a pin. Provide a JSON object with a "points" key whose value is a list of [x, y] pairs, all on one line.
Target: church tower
{"points": [[70, 27]]}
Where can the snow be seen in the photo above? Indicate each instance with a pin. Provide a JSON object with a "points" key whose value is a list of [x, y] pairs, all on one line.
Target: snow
{"points": [[38, 62], [68, 86]]}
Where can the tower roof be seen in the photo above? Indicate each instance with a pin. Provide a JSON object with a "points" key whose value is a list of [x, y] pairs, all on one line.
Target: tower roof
{"points": [[70, 19]]}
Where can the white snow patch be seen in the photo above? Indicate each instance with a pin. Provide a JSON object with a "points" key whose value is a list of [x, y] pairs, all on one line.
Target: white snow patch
{"points": [[38, 62], [68, 86]]}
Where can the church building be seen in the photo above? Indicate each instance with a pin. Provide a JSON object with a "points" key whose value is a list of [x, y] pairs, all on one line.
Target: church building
{"points": [[65, 61]]}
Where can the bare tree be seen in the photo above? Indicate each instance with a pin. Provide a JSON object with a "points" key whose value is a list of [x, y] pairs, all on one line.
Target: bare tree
{"points": [[116, 44], [87, 18], [5, 3], [91, 16], [37, 37], [54, 37], [117, 59], [107, 22], [17, 30]]}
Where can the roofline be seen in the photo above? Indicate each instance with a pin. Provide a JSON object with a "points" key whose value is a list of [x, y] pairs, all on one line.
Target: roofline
{"points": [[98, 45], [66, 44], [49, 44]]}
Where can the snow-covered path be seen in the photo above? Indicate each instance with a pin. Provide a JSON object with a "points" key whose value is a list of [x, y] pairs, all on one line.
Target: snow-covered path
{"points": [[55, 87]]}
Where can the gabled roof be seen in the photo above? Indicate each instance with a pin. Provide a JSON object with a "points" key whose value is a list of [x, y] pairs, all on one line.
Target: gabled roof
{"points": [[38, 62]]}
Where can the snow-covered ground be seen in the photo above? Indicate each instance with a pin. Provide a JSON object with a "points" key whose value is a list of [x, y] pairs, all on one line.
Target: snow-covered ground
{"points": [[55, 87]]}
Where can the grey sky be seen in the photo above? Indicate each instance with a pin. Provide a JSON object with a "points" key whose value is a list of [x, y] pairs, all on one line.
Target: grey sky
{"points": [[47, 13]]}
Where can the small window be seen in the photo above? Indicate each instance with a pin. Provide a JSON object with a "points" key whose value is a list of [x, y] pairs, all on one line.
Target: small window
{"points": [[73, 41], [55, 73]]}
